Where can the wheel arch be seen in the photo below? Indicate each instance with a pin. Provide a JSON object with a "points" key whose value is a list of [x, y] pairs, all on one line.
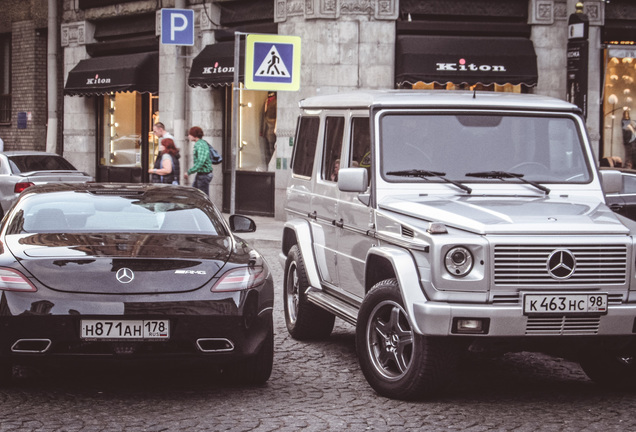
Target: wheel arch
{"points": [[298, 232], [386, 262]]}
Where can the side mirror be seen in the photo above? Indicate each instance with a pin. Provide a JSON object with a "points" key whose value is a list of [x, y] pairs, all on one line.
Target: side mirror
{"points": [[612, 181], [242, 224], [353, 179]]}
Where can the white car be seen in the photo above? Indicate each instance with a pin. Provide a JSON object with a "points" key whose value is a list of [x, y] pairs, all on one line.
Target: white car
{"points": [[21, 169]]}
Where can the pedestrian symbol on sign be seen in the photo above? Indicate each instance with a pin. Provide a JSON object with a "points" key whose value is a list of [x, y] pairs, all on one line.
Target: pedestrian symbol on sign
{"points": [[272, 62], [272, 65]]}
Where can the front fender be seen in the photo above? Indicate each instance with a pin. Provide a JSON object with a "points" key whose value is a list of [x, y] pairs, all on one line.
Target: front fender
{"points": [[406, 273], [298, 231]]}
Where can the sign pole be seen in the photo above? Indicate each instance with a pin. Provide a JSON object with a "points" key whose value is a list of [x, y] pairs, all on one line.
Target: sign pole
{"points": [[236, 92]]}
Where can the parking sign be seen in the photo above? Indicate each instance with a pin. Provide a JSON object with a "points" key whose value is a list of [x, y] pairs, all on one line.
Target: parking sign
{"points": [[177, 26]]}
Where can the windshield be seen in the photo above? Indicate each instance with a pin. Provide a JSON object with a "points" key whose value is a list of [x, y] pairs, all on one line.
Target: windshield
{"points": [[81, 212], [482, 148]]}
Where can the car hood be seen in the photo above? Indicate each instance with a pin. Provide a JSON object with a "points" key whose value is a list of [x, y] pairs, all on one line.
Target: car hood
{"points": [[511, 215], [93, 263]]}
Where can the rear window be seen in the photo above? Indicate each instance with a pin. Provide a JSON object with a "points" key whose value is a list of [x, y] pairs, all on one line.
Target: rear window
{"points": [[81, 212], [28, 163]]}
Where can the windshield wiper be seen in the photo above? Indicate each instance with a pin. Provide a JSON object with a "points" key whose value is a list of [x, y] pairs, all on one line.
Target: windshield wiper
{"points": [[506, 174], [425, 173]]}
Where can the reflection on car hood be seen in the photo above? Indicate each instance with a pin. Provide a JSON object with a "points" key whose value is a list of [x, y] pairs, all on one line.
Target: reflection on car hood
{"points": [[90, 263], [511, 215]]}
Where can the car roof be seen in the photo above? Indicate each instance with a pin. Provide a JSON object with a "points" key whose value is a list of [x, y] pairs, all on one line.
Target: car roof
{"points": [[28, 153], [437, 98], [116, 189]]}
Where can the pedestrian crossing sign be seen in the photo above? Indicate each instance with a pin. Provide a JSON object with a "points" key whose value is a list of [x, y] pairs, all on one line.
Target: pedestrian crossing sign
{"points": [[272, 62]]}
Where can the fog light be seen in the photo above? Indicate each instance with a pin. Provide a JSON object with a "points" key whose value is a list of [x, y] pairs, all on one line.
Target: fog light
{"points": [[471, 325]]}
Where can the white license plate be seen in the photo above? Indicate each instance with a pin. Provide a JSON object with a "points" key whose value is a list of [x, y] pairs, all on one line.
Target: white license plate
{"points": [[125, 329], [564, 304]]}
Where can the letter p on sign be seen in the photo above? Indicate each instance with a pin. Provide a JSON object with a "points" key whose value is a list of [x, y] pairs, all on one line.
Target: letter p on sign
{"points": [[177, 27]]}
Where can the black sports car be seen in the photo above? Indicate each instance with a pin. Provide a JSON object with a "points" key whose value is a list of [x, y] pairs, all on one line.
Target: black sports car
{"points": [[116, 271]]}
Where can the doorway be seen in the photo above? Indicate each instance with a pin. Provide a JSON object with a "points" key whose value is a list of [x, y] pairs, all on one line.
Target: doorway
{"points": [[255, 155]]}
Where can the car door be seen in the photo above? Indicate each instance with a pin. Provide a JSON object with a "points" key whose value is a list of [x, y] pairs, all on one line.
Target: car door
{"points": [[325, 200], [354, 217]]}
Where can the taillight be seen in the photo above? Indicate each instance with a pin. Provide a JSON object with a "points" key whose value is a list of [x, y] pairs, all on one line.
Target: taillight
{"points": [[19, 187], [12, 280], [241, 278]]}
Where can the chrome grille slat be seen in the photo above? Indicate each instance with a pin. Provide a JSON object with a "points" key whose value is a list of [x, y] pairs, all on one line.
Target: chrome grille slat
{"points": [[527, 265]]}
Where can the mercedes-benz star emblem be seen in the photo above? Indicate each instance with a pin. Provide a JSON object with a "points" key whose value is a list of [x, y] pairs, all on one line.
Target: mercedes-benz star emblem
{"points": [[125, 275], [561, 264]]}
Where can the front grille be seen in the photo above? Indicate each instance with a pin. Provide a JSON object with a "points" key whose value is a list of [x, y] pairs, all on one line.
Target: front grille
{"points": [[563, 325], [527, 265]]}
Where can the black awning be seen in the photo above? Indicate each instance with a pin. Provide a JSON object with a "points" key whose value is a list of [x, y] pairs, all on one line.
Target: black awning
{"points": [[465, 60], [214, 66], [122, 73]]}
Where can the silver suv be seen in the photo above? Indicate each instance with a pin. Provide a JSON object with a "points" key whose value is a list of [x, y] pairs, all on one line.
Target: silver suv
{"points": [[437, 222]]}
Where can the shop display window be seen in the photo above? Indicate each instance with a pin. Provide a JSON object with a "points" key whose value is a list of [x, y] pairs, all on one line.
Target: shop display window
{"points": [[619, 113], [122, 128], [257, 131]]}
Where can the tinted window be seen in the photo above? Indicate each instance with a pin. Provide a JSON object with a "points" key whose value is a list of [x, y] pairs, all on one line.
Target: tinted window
{"points": [[360, 153], [28, 163], [334, 131], [305, 149], [75, 212], [629, 184]]}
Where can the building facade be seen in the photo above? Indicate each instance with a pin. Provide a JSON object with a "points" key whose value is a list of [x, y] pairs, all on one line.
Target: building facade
{"points": [[118, 79]]}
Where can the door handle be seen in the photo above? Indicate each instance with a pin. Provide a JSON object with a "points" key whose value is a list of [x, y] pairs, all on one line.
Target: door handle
{"points": [[338, 223], [312, 215], [616, 207]]}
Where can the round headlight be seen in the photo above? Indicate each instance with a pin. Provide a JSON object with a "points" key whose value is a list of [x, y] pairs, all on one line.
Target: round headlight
{"points": [[459, 261]]}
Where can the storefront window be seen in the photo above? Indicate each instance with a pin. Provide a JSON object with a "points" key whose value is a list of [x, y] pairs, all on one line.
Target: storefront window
{"points": [[257, 138], [619, 115], [122, 130]]}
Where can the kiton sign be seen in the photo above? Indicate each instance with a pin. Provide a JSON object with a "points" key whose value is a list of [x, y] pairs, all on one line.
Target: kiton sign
{"points": [[216, 69], [97, 80], [463, 67]]}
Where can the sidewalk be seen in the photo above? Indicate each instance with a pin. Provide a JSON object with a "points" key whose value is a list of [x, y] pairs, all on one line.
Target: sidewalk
{"points": [[269, 231]]}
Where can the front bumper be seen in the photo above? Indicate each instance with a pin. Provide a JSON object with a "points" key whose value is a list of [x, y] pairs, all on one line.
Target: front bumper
{"points": [[436, 319]]}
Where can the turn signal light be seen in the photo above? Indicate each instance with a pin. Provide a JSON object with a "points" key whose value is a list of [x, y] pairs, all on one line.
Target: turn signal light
{"points": [[12, 280], [19, 187], [241, 278]]}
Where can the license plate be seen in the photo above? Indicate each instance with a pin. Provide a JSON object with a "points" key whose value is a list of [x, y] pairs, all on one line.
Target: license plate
{"points": [[125, 329], [564, 304]]}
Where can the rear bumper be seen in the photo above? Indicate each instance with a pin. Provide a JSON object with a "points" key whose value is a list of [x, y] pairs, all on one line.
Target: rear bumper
{"points": [[437, 319]]}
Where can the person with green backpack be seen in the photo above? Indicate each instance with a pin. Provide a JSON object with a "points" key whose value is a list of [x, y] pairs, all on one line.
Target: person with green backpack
{"points": [[201, 164]]}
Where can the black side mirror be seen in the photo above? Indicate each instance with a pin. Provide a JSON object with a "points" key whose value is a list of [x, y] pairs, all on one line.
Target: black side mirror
{"points": [[242, 224]]}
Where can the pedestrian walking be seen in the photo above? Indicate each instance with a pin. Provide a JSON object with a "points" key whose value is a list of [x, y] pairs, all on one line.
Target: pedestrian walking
{"points": [[166, 169], [202, 164], [160, 131]]}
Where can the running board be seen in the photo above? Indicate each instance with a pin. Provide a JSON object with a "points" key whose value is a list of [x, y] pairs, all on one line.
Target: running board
{"points": [[333, 304]]}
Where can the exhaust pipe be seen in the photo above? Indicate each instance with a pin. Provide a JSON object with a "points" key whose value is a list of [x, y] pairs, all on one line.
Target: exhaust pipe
{"points": [[215, 345], [32, 346]]}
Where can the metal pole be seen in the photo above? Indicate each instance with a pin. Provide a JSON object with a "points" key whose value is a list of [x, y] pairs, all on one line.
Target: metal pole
{"points": [[51, 66], [236, 93]]}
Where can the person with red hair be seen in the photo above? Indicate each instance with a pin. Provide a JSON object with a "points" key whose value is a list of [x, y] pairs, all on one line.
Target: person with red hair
{"points": [[166, 169]]}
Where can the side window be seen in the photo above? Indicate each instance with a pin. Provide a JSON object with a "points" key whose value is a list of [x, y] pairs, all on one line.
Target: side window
{"points": [[360, 153], [334, 132], [305, 148], [629, 184]]}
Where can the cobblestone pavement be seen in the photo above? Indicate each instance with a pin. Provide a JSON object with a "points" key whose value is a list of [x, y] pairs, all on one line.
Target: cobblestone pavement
{"points": [[316, 386]]}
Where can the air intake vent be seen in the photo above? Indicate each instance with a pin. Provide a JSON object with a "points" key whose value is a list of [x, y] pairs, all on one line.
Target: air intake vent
{"points": [[563, 325], [407, 232]]}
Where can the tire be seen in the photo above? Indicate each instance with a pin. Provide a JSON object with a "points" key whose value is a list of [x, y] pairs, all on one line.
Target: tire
{"points": [[611, 370], [305, 321], [257, 369], [397, 362]]}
